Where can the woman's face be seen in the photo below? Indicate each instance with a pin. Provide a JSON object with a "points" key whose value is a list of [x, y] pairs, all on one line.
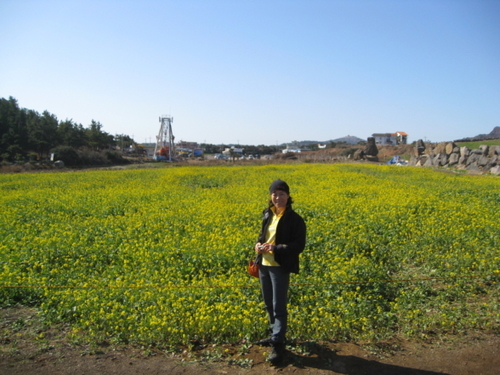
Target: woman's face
{"points": [[279, 198]]}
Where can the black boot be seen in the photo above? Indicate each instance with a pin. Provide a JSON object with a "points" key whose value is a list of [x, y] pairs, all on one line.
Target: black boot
{"points": [[277, 353], [268, 340], [265, 342]]}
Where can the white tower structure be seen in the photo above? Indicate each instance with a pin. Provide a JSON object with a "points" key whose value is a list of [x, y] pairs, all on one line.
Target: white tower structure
{"points": [[165, 149]]}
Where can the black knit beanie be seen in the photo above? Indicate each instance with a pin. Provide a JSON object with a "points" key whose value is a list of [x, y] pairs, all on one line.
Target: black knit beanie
{"points": [[279, 185]]}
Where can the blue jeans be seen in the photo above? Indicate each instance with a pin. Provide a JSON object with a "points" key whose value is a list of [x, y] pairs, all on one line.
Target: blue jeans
{"points": [[274, 282]]}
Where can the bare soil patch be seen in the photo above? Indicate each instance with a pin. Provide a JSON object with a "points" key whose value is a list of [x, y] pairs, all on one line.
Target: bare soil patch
{"points": [[28, 347]]}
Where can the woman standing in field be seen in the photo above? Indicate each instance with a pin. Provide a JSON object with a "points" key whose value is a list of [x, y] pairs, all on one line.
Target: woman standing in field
{"points": [[282, 238]]}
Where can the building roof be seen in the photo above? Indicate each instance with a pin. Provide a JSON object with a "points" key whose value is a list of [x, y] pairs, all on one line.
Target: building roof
{"points": [[388, 134]]}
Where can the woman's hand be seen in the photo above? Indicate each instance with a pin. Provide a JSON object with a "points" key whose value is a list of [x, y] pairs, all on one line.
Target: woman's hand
{"points": [[263, 248], [258, 247]]}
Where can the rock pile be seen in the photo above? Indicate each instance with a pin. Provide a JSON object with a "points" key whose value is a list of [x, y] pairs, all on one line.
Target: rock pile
{"points": [[369, 153], [483, 159]]}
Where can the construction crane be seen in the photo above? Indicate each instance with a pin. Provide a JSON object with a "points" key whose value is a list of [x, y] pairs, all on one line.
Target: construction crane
{"points": [[165, 149]]}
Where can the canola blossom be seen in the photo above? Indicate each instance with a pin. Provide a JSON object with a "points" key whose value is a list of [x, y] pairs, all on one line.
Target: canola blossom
{"points": [[159, 256]]}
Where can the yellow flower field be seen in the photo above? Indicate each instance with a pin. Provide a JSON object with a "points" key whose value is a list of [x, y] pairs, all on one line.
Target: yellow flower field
{"points": [[159, 255]]}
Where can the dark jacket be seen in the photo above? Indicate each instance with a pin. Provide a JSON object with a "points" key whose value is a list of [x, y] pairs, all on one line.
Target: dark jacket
{"points": [[290, 238]]}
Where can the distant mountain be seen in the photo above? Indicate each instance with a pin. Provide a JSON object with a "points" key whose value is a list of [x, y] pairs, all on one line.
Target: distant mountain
{"points": [[349, 139], [494, 134]]}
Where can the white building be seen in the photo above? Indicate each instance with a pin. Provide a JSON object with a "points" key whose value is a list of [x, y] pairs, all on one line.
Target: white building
{"points": [[398, 138], [286, 150]]}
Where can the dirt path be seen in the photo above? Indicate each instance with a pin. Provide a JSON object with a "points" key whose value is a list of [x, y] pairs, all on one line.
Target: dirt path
{"points": [[26, 348]]}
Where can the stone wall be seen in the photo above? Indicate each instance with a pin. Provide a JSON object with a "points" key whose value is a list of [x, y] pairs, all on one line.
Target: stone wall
{"points": [[484, 159]]}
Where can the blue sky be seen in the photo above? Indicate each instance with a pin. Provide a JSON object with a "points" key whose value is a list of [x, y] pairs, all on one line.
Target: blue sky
{"points": [[257, 72]]}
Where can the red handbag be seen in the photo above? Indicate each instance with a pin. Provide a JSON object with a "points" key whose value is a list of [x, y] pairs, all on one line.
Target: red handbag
{"points": [[253, 266]]}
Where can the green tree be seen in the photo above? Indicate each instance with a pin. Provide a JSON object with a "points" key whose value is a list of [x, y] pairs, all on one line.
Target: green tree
{"points": [[42, 132], [97, 139], [313, 146], [13, 129], [124, 141], [23, 131], [71, 134]]}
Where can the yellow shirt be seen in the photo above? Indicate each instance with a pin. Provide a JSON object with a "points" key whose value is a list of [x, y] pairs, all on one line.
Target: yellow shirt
{"points": [[268, 258]]}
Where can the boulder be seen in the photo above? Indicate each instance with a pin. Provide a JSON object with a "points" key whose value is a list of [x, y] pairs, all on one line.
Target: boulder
{"points": [[440, 148], [495, 170], [419, 148], [464, 151], [435, 159], [492, 162], [453, 159], [443, 159], [483, 161], [358, 154], [494, 150], [422, 160], [429, 162], [485, 149], [473, 167], [473, 158], [371, 148], [371, 158], [449, 148]]}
